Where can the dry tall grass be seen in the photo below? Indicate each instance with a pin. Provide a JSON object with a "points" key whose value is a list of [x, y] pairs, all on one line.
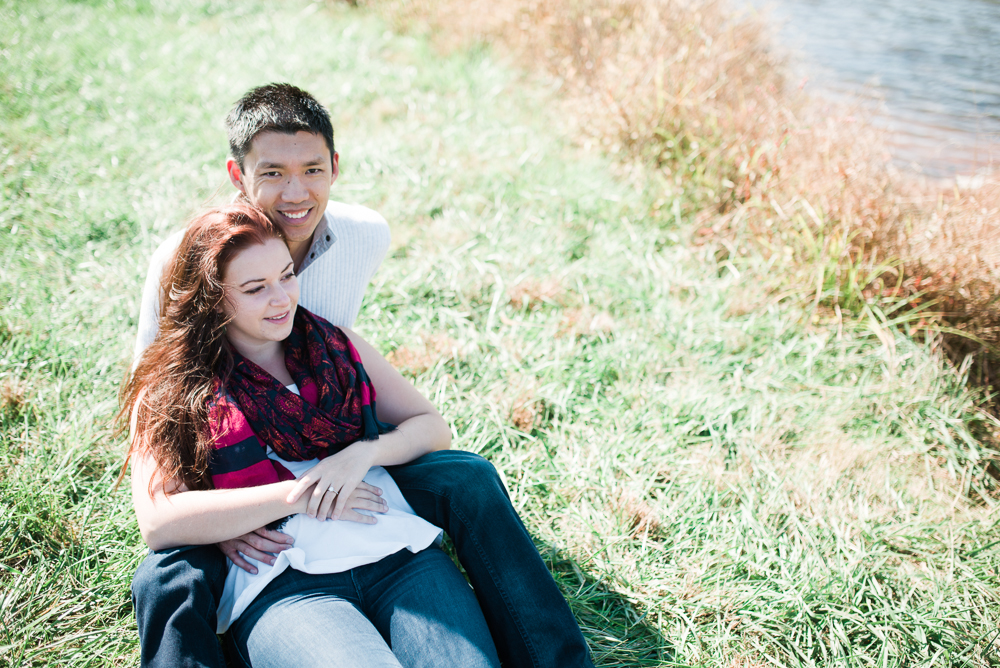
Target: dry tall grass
{"points": [[692, 88], [950, 251]]}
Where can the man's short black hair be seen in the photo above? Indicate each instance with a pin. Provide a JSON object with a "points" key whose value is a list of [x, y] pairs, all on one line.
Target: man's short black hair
{"points": [[275, 107]]}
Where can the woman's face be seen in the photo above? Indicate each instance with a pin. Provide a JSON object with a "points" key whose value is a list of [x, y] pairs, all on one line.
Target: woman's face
{"points": [[261, 295]]}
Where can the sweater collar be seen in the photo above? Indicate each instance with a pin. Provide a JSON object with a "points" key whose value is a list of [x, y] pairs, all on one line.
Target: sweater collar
{"points": [[323, 239]]}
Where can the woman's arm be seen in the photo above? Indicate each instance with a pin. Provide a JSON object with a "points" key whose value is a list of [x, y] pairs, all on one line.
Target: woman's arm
{"points": [[419, 429], [170, 515], [187, 517]]}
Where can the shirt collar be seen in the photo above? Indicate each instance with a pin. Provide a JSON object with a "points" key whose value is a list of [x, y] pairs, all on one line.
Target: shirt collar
{"points": [[323, 237]]}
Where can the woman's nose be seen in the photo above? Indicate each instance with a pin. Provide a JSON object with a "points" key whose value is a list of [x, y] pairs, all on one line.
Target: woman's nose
{"points": [[280, 297]]}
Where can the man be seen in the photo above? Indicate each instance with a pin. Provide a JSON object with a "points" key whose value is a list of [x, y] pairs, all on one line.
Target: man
{"points": [[284, 162]]}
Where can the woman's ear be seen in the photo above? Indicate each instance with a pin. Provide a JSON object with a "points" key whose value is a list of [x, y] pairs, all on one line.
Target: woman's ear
{"points": [[220, 305]]}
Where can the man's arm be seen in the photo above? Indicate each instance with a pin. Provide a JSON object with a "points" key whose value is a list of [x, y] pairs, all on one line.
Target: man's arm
{"points": [[149, 307]]}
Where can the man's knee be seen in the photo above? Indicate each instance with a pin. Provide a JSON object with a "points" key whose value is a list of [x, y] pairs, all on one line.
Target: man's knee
{"points": [[466, 475], [185, 572]]}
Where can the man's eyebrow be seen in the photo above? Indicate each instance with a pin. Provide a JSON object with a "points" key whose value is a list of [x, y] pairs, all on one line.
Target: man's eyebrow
{"points": [[318, 160], [261, 280]]}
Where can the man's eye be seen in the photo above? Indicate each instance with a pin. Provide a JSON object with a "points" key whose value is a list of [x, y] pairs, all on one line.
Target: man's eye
{"points": [[288, 276]]}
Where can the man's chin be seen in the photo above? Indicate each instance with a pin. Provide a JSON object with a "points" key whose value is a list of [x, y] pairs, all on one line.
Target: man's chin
{"points": [[298, 235], [296, 232]]}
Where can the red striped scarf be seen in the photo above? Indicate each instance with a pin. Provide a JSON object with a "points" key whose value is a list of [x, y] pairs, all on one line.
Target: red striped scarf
{"points": [[334, 408]]}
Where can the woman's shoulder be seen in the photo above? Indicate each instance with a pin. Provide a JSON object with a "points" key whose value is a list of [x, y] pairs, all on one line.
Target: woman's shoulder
{"points": [[315, 320]]}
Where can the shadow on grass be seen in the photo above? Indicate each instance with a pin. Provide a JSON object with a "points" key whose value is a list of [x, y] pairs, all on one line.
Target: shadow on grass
{"points": [[615, 630]]}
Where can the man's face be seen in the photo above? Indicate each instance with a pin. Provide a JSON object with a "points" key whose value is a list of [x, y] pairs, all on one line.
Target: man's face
{"points": [[288, 177]]}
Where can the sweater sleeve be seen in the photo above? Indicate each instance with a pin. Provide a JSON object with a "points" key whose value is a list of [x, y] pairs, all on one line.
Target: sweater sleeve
{"points": [[149, 307]]}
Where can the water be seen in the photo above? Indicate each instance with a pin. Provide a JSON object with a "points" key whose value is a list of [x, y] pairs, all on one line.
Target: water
{"points": [[930, 67]]}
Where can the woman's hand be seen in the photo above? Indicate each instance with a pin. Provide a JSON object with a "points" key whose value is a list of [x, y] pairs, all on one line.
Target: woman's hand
{"points": [[364, 497], [334, 480], [263, 544], [419, 429]]}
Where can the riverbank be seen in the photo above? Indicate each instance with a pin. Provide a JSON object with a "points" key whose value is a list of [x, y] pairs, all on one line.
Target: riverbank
{"points": [[718, 470], [923, 70]]}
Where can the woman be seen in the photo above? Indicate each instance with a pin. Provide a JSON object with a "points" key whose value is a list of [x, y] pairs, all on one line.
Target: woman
{"points": [[246, 411]]}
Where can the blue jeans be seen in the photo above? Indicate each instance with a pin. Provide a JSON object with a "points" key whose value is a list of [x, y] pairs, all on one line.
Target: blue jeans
{"points": [[417, 604], [175, 592]]}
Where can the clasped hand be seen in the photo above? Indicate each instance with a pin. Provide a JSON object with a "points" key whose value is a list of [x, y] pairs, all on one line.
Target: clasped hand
{"points": [[333, 489]]}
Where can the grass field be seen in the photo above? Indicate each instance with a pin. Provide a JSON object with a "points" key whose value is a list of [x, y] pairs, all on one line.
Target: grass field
{"points": [[717, 476]]}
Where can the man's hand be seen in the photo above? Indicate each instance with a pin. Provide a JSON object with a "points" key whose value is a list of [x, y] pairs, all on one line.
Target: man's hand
{"points": [[261, 545]]}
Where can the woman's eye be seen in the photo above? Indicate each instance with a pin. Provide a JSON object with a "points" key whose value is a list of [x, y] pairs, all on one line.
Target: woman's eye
{"points": [[253, 291], [288, 276]]}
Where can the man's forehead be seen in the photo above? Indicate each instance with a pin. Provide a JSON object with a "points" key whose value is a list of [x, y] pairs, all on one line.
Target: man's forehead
{"points": [[277, 148]]}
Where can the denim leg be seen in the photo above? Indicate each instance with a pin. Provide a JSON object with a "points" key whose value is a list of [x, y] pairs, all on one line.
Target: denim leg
{"points": [[530, 620], [426, 610], [175, 594], [309, 621]]}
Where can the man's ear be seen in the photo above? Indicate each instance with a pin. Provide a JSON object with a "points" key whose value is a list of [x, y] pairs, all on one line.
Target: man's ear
{"points": [[335, 172], [236, 175]]}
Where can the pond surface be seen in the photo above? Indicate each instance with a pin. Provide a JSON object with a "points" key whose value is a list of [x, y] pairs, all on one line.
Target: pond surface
{"points": [[930, 67]]}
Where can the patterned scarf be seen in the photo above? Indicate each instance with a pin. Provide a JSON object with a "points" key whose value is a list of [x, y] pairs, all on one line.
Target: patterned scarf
{"points": [[334, 408]]}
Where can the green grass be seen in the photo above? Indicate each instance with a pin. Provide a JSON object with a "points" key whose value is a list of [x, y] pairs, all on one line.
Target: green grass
{"points": [[716, 476]]}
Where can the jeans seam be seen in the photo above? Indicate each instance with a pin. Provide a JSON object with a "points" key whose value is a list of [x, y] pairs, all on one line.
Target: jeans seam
{"points": [[243, 657], [362, 604], [482, 554]]}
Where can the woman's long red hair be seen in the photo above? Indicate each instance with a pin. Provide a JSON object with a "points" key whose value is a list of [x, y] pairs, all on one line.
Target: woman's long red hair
{"points": [[170, 386]]}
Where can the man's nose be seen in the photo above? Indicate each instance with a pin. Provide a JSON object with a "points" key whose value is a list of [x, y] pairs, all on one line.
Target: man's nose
{"points": [[294, 190]]}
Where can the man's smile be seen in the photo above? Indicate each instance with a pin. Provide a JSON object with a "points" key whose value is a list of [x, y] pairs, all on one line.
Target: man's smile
{"points": [[296, 215]]}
